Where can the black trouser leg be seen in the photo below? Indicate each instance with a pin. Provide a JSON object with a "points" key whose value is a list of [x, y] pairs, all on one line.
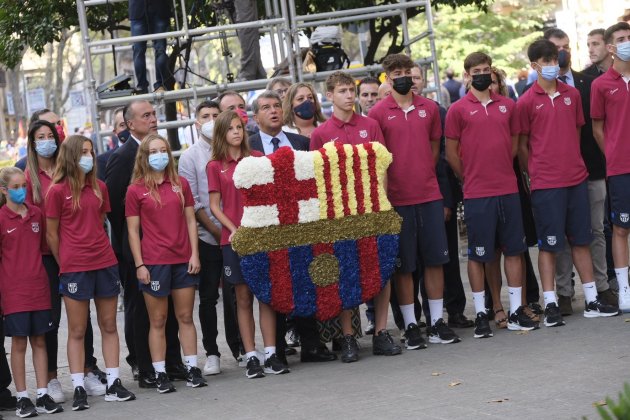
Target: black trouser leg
{"points": [[130, 287], [454, 295], [209, 279], [52, 336], [232, 335]]}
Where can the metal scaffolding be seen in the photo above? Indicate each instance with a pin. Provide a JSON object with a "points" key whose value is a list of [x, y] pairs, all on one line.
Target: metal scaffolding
{"points": [[283, 26]]}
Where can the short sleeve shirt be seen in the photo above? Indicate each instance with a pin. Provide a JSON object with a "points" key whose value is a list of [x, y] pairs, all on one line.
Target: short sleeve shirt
{"points": [[23, 279], [485, 135], [610, 101], [165, 237], [83, 242], [356, 131], [220, 173], [555, 160], [408, 136]]}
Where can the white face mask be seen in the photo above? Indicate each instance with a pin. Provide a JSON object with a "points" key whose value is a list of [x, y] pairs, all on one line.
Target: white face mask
{"points": [[207, 128]]}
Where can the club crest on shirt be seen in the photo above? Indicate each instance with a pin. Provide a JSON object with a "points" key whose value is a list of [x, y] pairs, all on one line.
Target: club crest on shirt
{"points": [[175, 189], [624, 217], [567, 101], [35, 226], [363, 134], [228, 270], [155, 285], [72, 288], [551, 240], [422, 113], [480, 250], [503, 109]]}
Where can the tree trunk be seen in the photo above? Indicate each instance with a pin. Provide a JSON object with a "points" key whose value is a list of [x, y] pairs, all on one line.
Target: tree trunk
{"points": [[14, 78]]}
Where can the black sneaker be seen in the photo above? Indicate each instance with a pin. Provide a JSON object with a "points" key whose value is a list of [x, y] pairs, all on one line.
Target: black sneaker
{"points": [[553, 317], [275, 366], [117, 392], [520, 321], [440, 333], [413, 338], [482, 326], [79, 401], [25, 408], [383, 344], [253, 369], [349, 349], [45, 404], [597, 308], [195, 378], [163, 383], [177, 372]]}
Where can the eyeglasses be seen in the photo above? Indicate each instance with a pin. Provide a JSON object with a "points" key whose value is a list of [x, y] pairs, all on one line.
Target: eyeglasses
{"points": [[282, 91]]}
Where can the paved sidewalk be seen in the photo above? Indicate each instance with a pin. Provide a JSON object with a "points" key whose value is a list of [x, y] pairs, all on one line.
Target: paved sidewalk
{"points": [[551, 373]]}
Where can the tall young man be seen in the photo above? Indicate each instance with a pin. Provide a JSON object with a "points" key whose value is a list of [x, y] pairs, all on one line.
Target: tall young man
{"points": [[412, 130], [349, 128], [481, 142], [610, 107], [601, 59], [550, 117]]}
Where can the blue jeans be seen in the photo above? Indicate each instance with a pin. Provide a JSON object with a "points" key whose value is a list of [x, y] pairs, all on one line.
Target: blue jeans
{"points": [[152, 24]]}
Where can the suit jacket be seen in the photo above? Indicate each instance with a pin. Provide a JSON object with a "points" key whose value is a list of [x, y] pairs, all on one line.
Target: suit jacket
{"points": [[117, 177], [298, 142], [101, 163], [593, 157], [592, 71], [21, 164]]}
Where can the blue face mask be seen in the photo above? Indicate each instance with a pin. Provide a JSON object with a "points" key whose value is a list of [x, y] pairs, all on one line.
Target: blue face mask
{"points": [[305, 110], [549, 72], [158, 161], [46, 148], [86, 163], [18, 195], [623, 51]]}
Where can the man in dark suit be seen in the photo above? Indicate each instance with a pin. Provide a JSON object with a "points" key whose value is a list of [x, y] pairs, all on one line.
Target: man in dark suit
{"points": [[596, 166], [268, 115], [120, 136], [141, 121]]}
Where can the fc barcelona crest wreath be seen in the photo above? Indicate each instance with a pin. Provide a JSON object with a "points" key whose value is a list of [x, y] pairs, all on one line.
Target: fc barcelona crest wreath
{"points": [[318, 234]]}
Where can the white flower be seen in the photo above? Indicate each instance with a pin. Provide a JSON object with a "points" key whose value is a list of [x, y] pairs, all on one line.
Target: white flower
{"points": [[253, 171], [308, 210], [260, 216], [304, 165]]}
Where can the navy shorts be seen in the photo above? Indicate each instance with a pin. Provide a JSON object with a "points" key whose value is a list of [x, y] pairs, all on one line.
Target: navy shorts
{"points": [[422, 235], [86, 285], [26, 324], [494, 223], [231, 266], [619, 191], [560, 212], [166, 277]]}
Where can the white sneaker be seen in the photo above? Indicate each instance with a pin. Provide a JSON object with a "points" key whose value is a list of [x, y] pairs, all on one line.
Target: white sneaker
{"points": [[55, 391], [213, 366], [624, 299], [93, 385]]}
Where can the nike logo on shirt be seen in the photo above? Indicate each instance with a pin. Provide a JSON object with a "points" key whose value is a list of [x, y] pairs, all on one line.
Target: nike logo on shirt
{"points": [[68, 197], [335, 139], [391, 117], [10, 230], [473, 112], [612, 91], [539, 106], [145, 194]]}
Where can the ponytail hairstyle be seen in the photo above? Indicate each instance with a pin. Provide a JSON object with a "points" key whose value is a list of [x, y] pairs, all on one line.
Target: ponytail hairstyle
{"points": [[144, 174], [32, 165], [68, 169], [220, 146], [5, 177]]}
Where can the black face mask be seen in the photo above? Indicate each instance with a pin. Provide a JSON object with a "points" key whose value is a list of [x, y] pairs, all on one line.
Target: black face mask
{"points": [[402, 84], [123, 136], [481, 82], [564, 59]]}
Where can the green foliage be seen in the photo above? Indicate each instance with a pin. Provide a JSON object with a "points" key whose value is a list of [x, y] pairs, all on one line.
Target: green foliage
{"points": [[617, 410], [503, 35]]}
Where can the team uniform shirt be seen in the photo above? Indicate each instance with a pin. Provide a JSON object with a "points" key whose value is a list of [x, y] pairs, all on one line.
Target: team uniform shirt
{"points": [[610, 101], [408, 135], [485, 135], [165, 237], [23, 279], [220, 173], [555, 160], [358, 130], [45, 182], [83, 242]]}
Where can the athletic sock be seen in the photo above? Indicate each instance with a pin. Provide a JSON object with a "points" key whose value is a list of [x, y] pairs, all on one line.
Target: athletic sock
{"points": [[590, 291], [190, 361], [409, 315], [112, 375], [159, 367], [78, 379], [550, 297], [515, 298], [41, 392], [436, 308], [622, 278], [269, 351], [21, 394], [479, 299]]}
